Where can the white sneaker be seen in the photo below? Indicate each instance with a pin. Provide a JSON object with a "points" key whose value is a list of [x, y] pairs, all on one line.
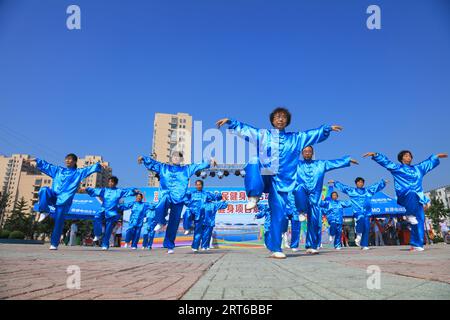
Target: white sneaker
{"points": [[194, 250], [365, 248], [133, 248], [53, 248], [170, 251], [314, 251], [42, 216], [142, 248], [207, 248], [278, 255], [302, 217], [412, 220], [294, 249], [252, 202], [186, 232], [308, 250], [125, 245], [417, 249], [104, 248], [96, 238], [330, 238], [338, 248], [158, 227]]}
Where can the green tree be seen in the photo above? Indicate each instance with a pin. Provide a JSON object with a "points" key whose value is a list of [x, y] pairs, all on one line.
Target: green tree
{"points": [[21, 219], [436, 212], [4, 196]]}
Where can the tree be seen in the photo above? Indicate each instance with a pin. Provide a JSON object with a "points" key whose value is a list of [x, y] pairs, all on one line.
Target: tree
{"points": [[4, 196], [21, 219], [436, 212]]}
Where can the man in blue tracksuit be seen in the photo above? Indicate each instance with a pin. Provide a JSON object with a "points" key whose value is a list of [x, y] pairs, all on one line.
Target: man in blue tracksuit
{"points": [[174, 181], [64, 187], [361, 205], [149, 229], [109, 211], [310, 176]]}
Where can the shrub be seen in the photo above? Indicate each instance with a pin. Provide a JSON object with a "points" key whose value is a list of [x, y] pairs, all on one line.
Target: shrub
{"points": [[17, 235], [4, 234]]}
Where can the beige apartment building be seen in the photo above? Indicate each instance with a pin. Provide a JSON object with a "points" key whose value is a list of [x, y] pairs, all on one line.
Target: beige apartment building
{"points": [[19, 179], [171, 132]]}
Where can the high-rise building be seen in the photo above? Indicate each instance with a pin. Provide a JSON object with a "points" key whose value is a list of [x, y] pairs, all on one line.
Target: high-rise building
{"points": [[171, 132], [19, 179], [442, 194]]}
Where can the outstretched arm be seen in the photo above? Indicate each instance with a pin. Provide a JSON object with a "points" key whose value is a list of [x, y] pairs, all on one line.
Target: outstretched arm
{"points": [[313, 136], [221, 205], [241, 129], [430, 163], [342, 187], [129, 192], [47, 168], [151, 164], [377, 187], [339, 163], [86, 172], [125, 206], [193, 168], [382, 160], [95, 192]]}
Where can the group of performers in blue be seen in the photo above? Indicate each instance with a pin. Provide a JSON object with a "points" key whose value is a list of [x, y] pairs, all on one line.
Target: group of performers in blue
{"points": [[283, 167]]}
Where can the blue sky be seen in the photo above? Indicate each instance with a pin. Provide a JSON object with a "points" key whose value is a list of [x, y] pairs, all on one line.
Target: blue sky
{"points": [[95, 90]]}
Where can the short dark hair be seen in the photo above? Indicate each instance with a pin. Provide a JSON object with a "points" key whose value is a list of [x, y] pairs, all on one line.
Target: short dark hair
{"points": [[335, 192], [140, 194], [309, 147], [281, 110], [74, 157], [114, 179], [402, 153], [180, 154], [201, 181], [359, 179]]}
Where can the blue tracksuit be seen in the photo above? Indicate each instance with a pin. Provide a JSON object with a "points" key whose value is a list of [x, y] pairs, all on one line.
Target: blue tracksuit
{"points": [[196, 202], [149, 229], [211, 209], [292, 215], [409, 191], [139, 211], [274, 169], [109, 211], [174, 181], [334, 210], [188, 220], [310, 176], [64, 187], [361, 206], [264, 212]]}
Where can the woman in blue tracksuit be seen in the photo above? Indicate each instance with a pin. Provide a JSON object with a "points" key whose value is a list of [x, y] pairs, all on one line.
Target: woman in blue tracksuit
{"points": [[64, 187], [408, 188], [274, 168], [209, 223], [109, 211], [334, 210], [310, 176], [362, 208], [174, 181], [138, 214]]}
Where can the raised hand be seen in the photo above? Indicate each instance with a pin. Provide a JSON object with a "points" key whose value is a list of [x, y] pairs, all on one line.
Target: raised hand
{"points": [[140, 159], [221, 122], [213, 162], [337, 128], [331, 181], [369, 154], [31, 162], [353, 161], [442, 155], [104, 165], [82, 190], [386, 181]]}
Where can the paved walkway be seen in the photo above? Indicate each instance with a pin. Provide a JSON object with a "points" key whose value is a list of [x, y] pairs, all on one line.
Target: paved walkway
{"points": [[34, 272]]}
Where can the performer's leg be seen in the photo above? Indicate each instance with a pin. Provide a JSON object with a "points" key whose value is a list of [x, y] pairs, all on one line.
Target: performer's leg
{"points": [[198, 228], [295, 233], [98, 220], [59, 217], [277, 204], [137, 236], [366, 230], [314, 226], [253, 180], [337, 235], [187, 221], [172, 226], [161, 210], [145, 239], [47, 197], [110, 222], [129, 235], [415, 208]]}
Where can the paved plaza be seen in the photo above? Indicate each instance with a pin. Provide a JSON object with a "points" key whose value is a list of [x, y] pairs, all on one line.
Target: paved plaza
{"points": [[34, 272]]}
